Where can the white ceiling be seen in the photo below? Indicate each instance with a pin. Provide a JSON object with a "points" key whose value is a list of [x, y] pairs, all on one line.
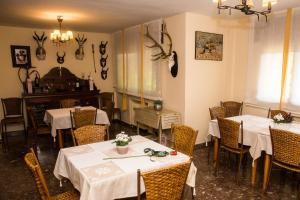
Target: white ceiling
{"points": [[107, 15]]}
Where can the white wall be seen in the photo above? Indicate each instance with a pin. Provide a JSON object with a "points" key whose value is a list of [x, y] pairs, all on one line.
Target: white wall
{"points": [[173, 89], [10, 85], [205, 82]]}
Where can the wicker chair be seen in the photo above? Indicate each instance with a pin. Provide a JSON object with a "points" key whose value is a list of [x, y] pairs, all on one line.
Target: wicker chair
{"points": [[69, 103], [166, 183], [108, 105], [229, 140], [83, 118], [35, 128], [215, 112], [13, 114], [184, 138], [89, 134], [286, 150], [33, 164], [272, 113], [232, 108]]}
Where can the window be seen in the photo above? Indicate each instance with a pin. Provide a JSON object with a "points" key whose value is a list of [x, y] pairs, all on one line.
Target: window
{"points": [[264, 71], [133, 70]]}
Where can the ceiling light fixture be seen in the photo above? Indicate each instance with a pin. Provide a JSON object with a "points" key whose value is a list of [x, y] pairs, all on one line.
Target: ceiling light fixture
{"points": [[58, 37], [246, 7]]}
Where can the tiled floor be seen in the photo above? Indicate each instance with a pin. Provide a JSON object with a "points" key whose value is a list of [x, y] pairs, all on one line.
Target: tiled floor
{"points": [[16, 181]]}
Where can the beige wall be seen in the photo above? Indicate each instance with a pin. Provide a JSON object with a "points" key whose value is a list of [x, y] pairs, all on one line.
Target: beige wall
{"points": [[204, 83], [173, 89], [10, 85]]}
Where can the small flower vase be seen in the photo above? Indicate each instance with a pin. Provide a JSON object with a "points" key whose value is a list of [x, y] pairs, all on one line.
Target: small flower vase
{"points": [[122, 149]]}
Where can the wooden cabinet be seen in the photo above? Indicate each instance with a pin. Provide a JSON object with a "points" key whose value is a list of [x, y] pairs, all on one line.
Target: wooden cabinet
{"points": [[58, 84]]}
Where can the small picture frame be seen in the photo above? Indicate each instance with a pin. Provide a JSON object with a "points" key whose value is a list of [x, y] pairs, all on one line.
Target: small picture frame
{"points": [[208, 46], [20, 56]]}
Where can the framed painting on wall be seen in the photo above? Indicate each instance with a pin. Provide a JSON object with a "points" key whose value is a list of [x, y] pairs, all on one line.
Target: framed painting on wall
{"points": [[208, 46], [20, 56]]}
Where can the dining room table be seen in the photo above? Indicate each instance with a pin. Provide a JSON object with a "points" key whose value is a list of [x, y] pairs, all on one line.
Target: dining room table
{"points": [[60, 119], [256, 134], [97, 171]]}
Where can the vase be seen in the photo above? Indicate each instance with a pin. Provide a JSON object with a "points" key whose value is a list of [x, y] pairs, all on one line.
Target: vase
{"points": [[122, 149]]}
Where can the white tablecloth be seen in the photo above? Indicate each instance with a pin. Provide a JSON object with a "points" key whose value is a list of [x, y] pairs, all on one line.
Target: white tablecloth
{"points": [[256, 132], [60, 118], [96, 178]]}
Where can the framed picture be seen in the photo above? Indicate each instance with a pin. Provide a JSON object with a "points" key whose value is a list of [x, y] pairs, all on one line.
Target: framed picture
{"points": [[208, 46], [20, 56]]}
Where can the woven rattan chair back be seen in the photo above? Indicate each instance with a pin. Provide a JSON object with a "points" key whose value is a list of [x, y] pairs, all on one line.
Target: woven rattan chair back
{"points": [[83, 118], [12, 106], [89, 134], [286, 147], [184, 138], [33, 164], [69, 103], [217, 111], [229, 132], [166, 183], [232, 108], [273, 113]]}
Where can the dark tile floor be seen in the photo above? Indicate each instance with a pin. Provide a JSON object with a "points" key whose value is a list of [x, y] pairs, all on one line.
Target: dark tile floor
{"points": [[16, 181]]}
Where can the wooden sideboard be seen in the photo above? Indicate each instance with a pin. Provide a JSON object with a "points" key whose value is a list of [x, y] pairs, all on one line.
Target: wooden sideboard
{"points": [[58, 84]]}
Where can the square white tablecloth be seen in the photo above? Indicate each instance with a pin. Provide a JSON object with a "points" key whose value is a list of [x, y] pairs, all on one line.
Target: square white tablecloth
{"points": [[60, 118], [96, 178], [256, 132]]}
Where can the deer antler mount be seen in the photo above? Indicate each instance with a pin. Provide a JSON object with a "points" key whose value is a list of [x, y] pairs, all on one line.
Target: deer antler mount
{"points": [[162, 53], [40, 40]]}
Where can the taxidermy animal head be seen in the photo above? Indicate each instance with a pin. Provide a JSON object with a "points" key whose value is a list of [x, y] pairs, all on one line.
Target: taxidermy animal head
{"points": [[102, 47], [60, 59], [40, 52], [104, 73], [103, 61], [79, 53], [173, 64]]}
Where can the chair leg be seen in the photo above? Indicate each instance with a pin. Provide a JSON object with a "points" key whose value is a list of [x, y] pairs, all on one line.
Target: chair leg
{"points": [[269, 174], [217, 162], [25, 134], [3, 138], [208, 151], [239, 168]]}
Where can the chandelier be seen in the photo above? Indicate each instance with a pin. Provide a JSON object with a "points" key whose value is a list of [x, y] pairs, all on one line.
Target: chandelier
{"points": [[58, 37], [246, 6]]}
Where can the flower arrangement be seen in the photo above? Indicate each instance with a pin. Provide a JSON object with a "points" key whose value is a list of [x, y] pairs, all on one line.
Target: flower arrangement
{"points": [[122, 139], [279, 118]]}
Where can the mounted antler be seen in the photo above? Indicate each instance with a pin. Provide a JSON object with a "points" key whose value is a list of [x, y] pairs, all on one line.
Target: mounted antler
{"points": [[40, 40], [162, 54], [79, 53]]}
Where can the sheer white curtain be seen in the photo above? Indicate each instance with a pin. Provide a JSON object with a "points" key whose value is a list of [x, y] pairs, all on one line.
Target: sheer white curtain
{"points": [[265, 61], [264, 71], [151, 69], [292, 91]]}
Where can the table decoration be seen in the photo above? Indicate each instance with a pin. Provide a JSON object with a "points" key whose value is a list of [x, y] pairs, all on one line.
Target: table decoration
{"points": [[122, 140], [279, 118]]}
